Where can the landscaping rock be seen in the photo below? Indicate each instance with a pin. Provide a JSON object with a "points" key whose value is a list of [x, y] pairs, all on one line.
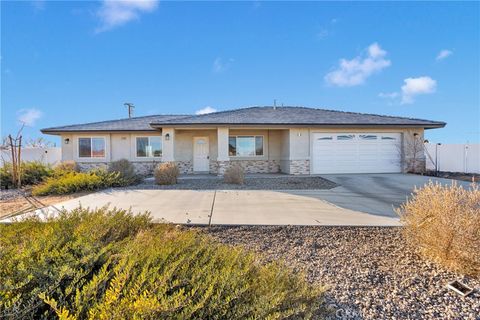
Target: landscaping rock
{"points": [[251, 183], [370, 272]]}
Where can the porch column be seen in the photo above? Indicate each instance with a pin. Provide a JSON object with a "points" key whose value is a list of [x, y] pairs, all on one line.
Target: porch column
{"points": [[168, 144], [223, 158]]}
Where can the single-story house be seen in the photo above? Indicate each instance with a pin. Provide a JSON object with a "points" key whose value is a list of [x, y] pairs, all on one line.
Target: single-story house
{"points": [[293, 140]]}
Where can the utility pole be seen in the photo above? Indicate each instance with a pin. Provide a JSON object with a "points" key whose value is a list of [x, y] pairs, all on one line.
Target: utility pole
{"points": [[130, 107]]}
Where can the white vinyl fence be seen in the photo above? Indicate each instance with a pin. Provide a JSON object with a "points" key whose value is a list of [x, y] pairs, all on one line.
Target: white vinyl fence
{"points": [[45, 155], [453, 157]]}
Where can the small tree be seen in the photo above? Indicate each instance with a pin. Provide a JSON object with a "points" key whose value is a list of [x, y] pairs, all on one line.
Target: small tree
{"points": [[15, 147], [414, 153], [38, 143]]}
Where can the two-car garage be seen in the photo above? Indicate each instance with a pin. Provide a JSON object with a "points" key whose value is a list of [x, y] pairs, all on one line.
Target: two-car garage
{"points": [[356, 152]]}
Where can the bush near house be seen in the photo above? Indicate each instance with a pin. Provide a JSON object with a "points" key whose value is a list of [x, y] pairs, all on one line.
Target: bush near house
{"points": [[67, 166], [67, 180], [126, 170], [112, 264], [166, 173], [70, 182], [31, 173], [234, 174], [443, 222]]}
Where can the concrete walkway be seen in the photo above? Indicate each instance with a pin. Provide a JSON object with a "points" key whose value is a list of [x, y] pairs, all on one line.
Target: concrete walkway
{"points": [[245, 207]]}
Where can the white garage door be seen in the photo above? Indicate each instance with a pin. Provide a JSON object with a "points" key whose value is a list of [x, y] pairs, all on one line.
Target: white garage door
{"points": [[352, 152]]}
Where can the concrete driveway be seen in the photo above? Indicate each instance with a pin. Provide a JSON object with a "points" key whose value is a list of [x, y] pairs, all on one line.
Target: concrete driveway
{"points": [[232, 207], [360, 200], [376, 194]]}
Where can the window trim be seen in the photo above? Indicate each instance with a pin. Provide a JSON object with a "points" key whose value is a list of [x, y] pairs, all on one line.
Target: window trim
{"points": [[146, 136], [254, 137], [92, 137]]}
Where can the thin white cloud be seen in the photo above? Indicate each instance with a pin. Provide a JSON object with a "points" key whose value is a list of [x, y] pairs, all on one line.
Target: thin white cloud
{"points": [[206, 110], [327, 30], [220, 65], [356, 71], [29, 116], [388, 95], [443, 54], [417, 86], [114, 13]]}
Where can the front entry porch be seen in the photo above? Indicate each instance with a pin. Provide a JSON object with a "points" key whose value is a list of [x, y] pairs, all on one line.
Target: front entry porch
{"points": [[213, 150]]}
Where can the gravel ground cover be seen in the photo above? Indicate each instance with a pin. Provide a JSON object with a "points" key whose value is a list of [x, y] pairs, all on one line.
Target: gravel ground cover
{"points": [[11, 194], [251, 183], [471, 177], [369, 271]]}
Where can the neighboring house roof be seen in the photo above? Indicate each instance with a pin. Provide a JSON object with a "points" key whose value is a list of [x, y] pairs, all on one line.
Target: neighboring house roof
{"points": [[128, 124], [296, 116], [250, 116]]}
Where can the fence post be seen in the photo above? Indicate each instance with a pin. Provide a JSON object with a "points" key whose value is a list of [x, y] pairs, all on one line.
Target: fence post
{"points": [[465, 158]]}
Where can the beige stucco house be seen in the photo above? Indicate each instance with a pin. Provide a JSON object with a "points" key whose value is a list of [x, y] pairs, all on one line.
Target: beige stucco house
{"points": [[293, 140]]}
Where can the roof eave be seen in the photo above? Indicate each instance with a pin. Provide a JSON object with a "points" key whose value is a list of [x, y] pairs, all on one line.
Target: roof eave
{"points": [[59, 131], [420, 125]]}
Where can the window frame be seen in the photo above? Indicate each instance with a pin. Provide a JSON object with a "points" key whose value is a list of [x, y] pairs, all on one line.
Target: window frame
{"points": [[148, 137], [254, 145], [91, 149]]}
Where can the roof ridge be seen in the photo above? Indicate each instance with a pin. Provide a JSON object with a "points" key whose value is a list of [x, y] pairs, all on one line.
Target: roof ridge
{"points": [[301, 107], [222, 111], [369, 114]]}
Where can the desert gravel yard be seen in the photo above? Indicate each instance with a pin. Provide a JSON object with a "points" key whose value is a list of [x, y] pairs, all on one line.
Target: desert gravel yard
{"points": [[271, 182], [370, 272]]}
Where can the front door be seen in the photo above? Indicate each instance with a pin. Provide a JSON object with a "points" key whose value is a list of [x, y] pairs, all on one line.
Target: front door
{"points": [[201, 158]]}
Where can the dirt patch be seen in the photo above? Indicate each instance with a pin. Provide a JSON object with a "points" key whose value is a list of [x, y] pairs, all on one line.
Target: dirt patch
{"points": [[19, 202]]}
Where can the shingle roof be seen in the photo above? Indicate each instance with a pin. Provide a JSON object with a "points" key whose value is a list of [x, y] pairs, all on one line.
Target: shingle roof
{"points": [[128, 124], [249, 116], [295, 116]]}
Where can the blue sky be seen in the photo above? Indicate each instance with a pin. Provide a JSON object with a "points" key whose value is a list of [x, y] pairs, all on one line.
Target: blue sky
{"points": [[74, 62]]}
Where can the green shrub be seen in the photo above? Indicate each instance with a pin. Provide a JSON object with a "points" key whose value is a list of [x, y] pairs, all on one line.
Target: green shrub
{"points": [[126, 170], [166, 173], [443, 222], [112, 264], [70, 182], [32, 172]]}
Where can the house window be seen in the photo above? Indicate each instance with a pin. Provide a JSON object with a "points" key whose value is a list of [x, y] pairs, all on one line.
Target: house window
{"points": [[346, 137], [325, 138], [388, 138], [368, 137], [91, 147], [245, 146], [149, 147]]}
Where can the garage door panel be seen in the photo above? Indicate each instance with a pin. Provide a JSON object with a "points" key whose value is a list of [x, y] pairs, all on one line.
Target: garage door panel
{"points": [[350, 152]]}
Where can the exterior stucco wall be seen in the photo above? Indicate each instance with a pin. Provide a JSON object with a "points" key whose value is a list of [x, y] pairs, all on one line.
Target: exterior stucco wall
{"points": [[285, 150], [117, 146], [184, 143], [67, 149], [299, 144], [121, 146]]}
